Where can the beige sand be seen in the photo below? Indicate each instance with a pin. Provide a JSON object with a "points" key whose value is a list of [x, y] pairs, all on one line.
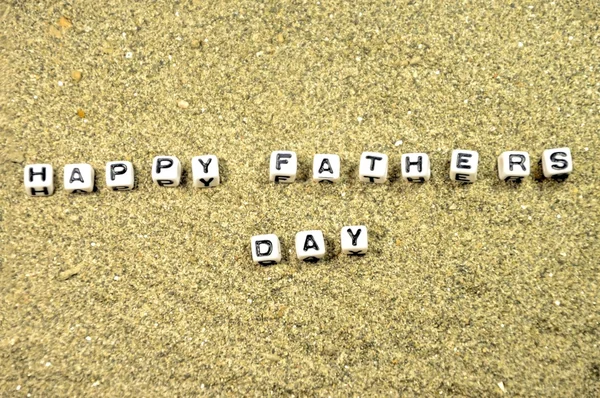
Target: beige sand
{"points": [[467, 290]]}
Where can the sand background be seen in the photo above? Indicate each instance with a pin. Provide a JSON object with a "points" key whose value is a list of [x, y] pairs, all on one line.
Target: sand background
{"points": [[478, 290]]}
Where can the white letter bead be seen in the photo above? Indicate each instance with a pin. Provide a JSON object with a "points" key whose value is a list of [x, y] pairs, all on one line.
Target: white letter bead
{"points": [[119, 176], [265, 249], [557, 163], [355, 240], [166, 171], [39, 179], [310, 246], [415, 167], [373, 167], [205, 171], [326, 168], [283, 167], [513, 166], [78, 178], [463, 165]]}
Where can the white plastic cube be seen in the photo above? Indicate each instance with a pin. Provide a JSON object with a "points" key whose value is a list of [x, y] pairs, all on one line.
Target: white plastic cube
{"points": [[79, 178], [415, 167], [463, 165], [119, 176], [283, 167], [513, 166], [39, 179], [310, 246], [266, 249], [355, 241], [326, 167], [205, 171], [166, 171], [557, 163], [373, 167]]}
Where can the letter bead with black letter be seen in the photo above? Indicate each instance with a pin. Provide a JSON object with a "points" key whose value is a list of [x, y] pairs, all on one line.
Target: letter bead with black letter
{"points": [[310, 246], [39, 179], [513, 166], [415, 167], [166, 171], [79, 178], [373, 167], [266, 249], [205, 171], [326, 168], [355, 240], [119, 176], [283, 167], [557, 163], [463, 165]]}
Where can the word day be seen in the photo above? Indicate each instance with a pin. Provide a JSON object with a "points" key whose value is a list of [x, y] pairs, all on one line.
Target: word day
{"points": [[513, 166], [310, 245]]}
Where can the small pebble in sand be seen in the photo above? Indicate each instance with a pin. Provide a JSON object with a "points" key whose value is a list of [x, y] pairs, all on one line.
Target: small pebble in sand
{"points": [[63, 276], [64, 22], [60, 83], [398, 143], [128, 55], [196, 44], [557, 303], [501, 386], [81, 113], [415, 61], [520, 44], [76, 75], [360, 119], [183, 104]]}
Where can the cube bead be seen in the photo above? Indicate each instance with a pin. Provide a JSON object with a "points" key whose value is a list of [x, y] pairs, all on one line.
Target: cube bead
{"points": [[166, 171], [120, 176], [283, 167], [205, 171], [557, 163], [373, 167], [79, 178], [39, 179], [463, 165], [513, 166], [310, 246], [266, 249], [354, 240]]}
